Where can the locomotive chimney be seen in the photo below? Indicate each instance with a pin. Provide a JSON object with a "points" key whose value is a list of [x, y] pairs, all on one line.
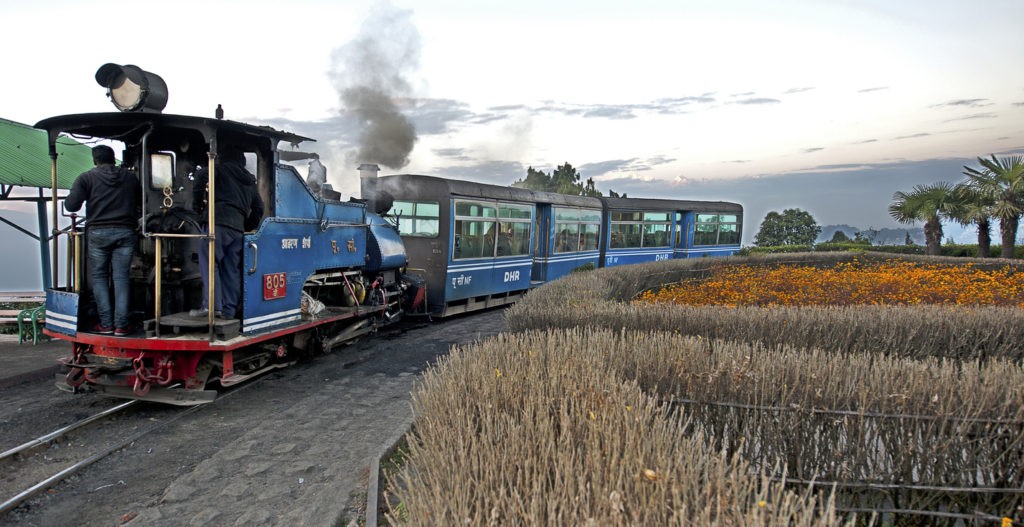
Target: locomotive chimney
{"points": [[368, 170], [368, 182], [369, 190]]}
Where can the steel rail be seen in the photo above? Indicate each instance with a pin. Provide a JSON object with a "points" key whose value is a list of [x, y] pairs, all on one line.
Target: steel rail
{"points": [[60, 432], [13, 502]]}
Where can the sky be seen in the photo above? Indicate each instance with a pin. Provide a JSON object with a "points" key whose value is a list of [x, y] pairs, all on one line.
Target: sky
{"points": [[825, 106]]}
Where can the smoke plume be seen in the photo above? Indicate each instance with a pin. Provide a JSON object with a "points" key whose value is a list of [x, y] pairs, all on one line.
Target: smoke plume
{"points": [[370, 74]]}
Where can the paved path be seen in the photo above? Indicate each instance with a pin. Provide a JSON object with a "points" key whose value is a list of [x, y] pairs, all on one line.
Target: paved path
{"points": [[26, 362]]}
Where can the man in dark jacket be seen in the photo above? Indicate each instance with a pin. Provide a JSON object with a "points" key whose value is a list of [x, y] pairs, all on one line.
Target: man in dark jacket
{"points": [[112, 196], [237, 203]]}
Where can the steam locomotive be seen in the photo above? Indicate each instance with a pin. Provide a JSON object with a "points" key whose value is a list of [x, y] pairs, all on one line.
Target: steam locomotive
{"points": [[317, 271]]}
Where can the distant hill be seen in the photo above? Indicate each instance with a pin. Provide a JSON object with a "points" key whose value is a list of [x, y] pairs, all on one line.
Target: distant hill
{"points": [[885, 236]]}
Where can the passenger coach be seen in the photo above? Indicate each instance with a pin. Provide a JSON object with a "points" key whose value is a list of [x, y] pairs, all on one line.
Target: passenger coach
{"points": [[643, 230], [478, 245]]}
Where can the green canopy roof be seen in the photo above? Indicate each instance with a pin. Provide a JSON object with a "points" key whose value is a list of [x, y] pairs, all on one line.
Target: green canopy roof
{"points": [[25, 161]]}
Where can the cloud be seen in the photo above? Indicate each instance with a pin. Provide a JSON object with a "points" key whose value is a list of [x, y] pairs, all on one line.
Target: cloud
{"points": [[492, 172], [912, 136], [866, 141], [660, 160], [1020, 103], [435, 116], [812, 149], [610, 112], [456, 154], [606, 167], [798, 90], [508, 108], [969, 103], [986, 115], [667, 105], [616, 167], [876, 88], [487, 118], [757, 100], [743, 94]]}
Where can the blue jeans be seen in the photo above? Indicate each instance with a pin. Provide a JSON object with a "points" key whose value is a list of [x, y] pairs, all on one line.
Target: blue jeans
{"points": [[227, 289], [110, 260]]}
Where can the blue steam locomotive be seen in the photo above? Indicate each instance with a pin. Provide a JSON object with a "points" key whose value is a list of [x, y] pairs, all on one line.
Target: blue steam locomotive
{"points": [[316, 271]]}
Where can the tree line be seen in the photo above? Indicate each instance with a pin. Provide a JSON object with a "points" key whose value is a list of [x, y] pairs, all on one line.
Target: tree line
{"points": [[564, 179], [993, 192]]}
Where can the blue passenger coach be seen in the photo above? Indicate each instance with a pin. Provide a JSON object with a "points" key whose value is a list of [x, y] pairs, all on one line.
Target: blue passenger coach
{"points": [[646, 230], [477, 245]]}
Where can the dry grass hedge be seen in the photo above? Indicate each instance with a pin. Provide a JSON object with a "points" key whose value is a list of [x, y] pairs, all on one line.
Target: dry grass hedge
{"points": [[546, 428], [895, 433], [600, 299]]}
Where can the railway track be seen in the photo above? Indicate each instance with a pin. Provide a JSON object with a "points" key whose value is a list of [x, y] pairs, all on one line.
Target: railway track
{"points": [[9, 455], [12, 457]]}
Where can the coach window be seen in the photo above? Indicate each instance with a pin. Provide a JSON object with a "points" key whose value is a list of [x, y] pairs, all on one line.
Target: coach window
{"points": [[567, 230], [417, 218], [706, 230], [717, 229], [475, 227], [656, 229], [626, 229], [514, 229], [728, 229], [576, 229], [590, 229]]}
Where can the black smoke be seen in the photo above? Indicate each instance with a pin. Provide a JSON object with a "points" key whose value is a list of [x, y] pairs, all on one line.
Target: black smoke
{"points": [[370, 74]]}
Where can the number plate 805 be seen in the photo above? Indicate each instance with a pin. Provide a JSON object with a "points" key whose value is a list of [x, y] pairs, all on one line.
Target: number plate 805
{"points": [[275, 285]]}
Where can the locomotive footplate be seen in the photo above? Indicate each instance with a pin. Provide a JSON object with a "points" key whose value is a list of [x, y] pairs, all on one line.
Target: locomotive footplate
{"points": [[99, 362], [180, 323], [176, 396]]}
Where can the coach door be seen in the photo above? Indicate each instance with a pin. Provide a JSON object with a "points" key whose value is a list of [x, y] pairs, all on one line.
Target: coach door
{"points": [[541, 242]]}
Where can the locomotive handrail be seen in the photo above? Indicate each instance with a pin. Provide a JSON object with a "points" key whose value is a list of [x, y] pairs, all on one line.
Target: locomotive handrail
{"points": [[175, 235], [335, 225], [255, 257]]}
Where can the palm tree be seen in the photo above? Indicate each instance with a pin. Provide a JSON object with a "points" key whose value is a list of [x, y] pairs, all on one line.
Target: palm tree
{"points": [[1003, 180], [972, 205], [927, 203]]}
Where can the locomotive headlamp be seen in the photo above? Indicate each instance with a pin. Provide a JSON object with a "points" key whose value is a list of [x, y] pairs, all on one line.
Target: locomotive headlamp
{"points": [[132, 89]]}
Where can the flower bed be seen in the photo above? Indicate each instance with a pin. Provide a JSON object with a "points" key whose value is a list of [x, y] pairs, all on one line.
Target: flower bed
{"points": [[857, 282]]}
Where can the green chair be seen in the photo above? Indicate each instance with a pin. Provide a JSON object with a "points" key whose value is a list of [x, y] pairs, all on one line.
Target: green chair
{"points": [[30, 319]]}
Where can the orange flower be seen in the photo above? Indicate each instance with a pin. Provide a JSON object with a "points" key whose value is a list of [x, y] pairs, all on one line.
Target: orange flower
{"points": [[891, 282]]}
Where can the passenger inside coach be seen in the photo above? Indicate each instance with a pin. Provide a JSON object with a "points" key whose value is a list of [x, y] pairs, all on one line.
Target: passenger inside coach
{"points": [[505, 243]]}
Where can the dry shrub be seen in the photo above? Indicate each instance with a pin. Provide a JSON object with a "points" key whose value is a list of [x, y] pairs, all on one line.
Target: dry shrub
{"points": [[862, 420], [600, 299], [549, 428]]}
